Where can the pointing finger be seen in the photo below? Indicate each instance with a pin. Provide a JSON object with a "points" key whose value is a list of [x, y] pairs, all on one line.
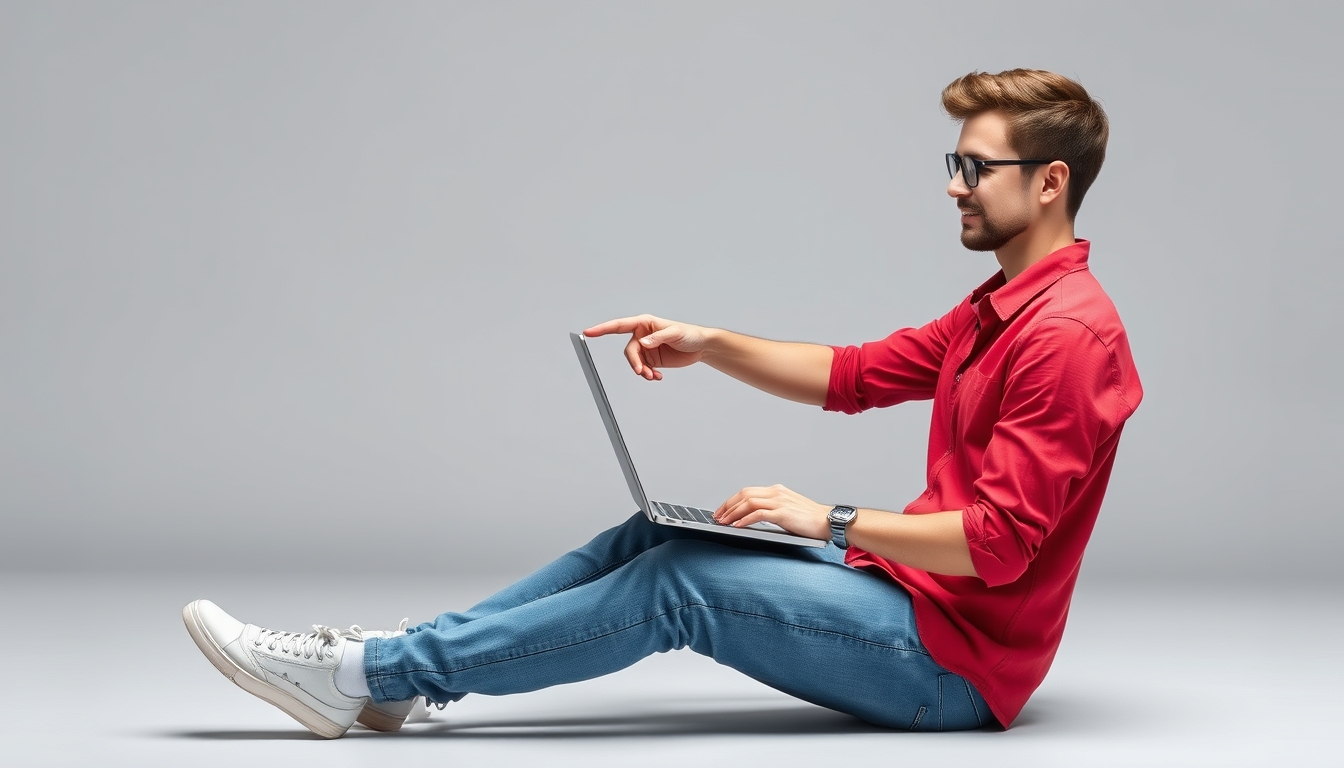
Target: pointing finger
{"points": [[619, 325]]}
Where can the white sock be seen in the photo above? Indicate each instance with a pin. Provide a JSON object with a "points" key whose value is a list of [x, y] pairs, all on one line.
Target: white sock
{"points": [[350, 678]]}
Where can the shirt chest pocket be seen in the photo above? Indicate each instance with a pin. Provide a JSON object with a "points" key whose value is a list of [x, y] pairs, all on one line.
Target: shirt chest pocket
{"points": [[979, 399]]}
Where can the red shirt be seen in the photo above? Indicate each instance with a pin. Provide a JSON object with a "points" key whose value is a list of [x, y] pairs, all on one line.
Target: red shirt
{"points": [[1032, 382]]}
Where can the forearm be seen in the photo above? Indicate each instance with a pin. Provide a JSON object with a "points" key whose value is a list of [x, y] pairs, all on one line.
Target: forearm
{"points": [[934, 542], [792, 370]]}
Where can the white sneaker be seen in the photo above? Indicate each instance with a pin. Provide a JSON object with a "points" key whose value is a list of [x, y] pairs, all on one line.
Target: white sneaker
{"points": [[389, 715], [294, 671]]}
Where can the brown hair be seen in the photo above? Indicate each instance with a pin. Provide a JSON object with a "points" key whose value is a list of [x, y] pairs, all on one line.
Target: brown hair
{"points": [[1049, 117]]}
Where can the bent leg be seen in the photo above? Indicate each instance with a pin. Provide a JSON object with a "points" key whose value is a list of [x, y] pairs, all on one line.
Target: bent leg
{"points": [[608, 551], [800, 622]]}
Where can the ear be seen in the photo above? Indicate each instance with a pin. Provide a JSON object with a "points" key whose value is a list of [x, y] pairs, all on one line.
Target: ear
{"points": [[1054, 182]]}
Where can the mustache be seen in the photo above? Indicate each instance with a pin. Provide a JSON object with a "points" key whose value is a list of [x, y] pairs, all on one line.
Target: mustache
{"points": [[976, 210]]}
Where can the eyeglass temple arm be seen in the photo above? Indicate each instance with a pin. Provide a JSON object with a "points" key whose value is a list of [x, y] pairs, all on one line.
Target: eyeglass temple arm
{"points": [[1011, 162]]}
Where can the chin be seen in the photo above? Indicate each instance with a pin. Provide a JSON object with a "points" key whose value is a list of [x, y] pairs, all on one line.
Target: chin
{"points": [[971, 242]]}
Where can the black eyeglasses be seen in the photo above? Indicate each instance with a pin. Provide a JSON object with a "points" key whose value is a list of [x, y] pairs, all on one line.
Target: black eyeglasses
{"points": [[970, 167]]}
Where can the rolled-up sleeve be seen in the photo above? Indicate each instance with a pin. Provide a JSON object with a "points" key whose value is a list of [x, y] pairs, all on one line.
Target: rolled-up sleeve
{"points": [[1061, 399], [903, 366]]}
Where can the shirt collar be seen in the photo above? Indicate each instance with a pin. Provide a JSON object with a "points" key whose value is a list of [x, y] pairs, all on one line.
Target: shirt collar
{"points": [[1006, 297]]}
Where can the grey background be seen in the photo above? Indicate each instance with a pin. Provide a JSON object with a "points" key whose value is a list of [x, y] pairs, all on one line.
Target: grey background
{"points": [[287, 285], [284, 290]]}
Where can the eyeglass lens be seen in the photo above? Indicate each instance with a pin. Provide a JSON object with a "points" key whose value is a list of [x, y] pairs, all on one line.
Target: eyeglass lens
{"points": [[964, 164]]}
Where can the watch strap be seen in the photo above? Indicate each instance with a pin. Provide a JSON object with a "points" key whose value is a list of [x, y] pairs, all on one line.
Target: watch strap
{"points": [[840, 517]]}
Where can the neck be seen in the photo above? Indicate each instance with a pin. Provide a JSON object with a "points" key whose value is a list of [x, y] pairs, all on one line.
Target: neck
{"points": [[1033, 245]]}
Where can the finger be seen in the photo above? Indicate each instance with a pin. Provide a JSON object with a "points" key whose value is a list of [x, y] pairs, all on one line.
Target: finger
{"points": [[619, 325], [728, 514], [727, 504], [745, 507], [740, 497], [635, 356]]}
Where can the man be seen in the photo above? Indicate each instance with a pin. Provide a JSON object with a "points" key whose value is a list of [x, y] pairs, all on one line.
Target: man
{"points": [[944, 617]]}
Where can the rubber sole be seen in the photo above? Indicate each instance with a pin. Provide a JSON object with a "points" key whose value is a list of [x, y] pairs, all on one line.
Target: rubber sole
{"points": [[306, 715], [378, 720]]}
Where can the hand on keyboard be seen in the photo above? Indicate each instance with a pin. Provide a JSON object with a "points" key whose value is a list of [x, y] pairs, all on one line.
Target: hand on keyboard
{"points": [[777, 505], [705, 516]]}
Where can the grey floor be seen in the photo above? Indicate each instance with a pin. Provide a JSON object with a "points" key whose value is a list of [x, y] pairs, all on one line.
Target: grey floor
{"points": [[99, 671]]}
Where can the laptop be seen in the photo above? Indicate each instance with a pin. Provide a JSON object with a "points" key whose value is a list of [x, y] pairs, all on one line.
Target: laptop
{"points": [[661, 512]]}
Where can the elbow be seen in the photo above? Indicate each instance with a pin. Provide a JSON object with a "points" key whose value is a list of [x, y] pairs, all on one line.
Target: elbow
{"points": [[993, 571], [1000, 553], [844, 385]]}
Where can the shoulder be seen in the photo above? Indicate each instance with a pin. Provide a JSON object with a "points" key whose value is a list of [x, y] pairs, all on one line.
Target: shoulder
{"points": [[1077, 307], [1076, 333]]}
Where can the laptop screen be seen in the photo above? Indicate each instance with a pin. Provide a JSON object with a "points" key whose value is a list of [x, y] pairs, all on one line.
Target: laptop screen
{"points": [[609, 419]]}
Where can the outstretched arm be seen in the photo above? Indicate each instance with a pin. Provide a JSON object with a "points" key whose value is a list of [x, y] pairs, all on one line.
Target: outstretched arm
{"points": [[792, 370]]}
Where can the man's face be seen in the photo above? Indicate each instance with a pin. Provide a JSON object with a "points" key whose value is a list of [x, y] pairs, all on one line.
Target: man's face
{"points": [[999, 207]]}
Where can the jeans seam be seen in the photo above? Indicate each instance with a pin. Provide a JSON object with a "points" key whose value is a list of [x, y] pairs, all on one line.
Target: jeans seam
{"points": [[654, 617], [594, 575], [979, 721], [375, 677], [940, 701], [919, 716]]}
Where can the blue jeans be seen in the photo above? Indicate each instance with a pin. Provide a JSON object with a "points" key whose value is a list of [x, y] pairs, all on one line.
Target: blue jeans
{"points": [[794, 618]]}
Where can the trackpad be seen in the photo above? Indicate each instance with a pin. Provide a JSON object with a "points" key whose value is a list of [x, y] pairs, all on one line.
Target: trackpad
{"points": [[765, 526]]}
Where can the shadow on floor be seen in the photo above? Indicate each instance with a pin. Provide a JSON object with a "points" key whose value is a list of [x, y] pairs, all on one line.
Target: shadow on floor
{"points": [[1096, 713], [295, 734], [802, 720]]}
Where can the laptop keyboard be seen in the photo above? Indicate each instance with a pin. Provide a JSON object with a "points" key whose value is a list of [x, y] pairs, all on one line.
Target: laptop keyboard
{"points": [[686, 513]]}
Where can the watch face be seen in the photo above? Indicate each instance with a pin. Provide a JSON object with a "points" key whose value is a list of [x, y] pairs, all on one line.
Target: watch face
{"points": [[843, 514]]}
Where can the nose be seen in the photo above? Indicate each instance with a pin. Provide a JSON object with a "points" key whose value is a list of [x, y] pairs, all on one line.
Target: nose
{"points": [[957, 188]]}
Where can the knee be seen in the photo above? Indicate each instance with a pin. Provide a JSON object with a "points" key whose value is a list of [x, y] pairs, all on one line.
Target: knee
{"points": [[678, 565], [634, 524], [629, 536]]}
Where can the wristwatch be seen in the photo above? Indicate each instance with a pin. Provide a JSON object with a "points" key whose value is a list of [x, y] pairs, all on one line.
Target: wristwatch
{"points": [[841, 516]]}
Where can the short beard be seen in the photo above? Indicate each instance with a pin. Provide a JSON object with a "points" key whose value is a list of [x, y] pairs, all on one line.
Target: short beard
{"points": [[991, 236]]}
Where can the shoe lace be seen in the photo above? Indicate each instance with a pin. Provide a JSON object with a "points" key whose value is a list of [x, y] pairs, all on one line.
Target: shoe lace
{"points": [[357, 633], [307, 644]]}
